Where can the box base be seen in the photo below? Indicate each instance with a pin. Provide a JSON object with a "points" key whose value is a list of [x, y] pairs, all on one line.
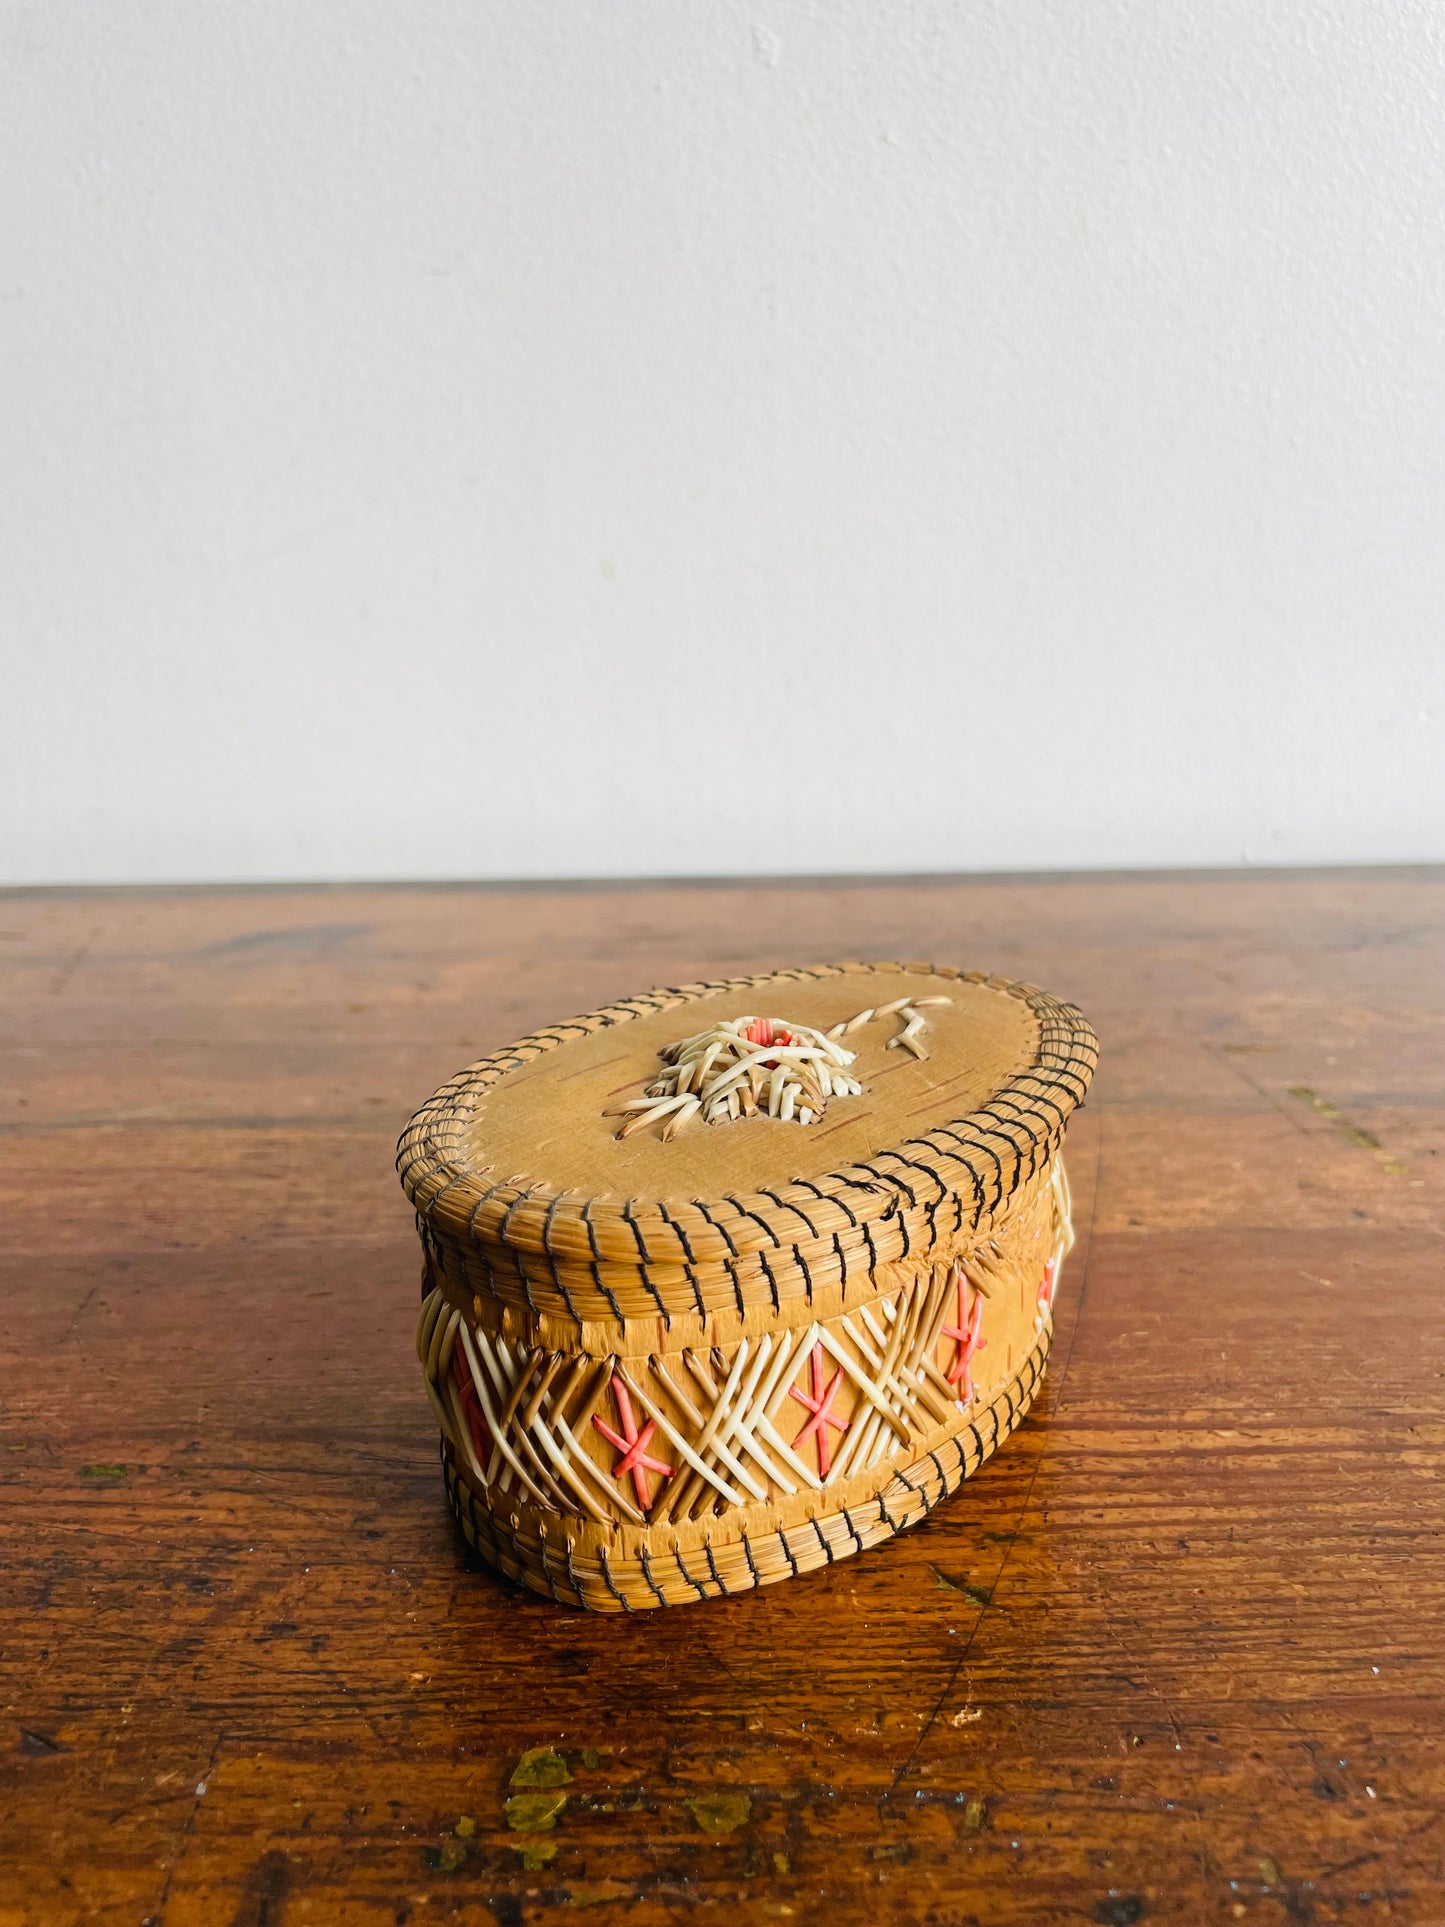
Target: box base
{"points": [[737, 1561]]}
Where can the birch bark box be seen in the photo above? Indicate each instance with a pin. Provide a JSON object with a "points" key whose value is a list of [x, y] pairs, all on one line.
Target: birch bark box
{"points": [[724, 1283]]}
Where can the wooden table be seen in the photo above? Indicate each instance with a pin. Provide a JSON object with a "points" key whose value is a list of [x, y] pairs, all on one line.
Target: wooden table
{"points": [[1177, 1654]]}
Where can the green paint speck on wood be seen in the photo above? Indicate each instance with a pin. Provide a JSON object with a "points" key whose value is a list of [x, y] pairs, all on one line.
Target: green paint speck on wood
{"points": [[541, 1766], [1314, 1100], [721, 1812], [536, 1853], [534, 1812]]}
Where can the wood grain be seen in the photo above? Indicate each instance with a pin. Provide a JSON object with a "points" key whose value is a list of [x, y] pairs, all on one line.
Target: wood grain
{"points": [[1177, 1654]]}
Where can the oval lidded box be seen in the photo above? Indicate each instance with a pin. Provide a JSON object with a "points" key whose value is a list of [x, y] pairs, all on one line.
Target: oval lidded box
{"points": [[723, 1283]]}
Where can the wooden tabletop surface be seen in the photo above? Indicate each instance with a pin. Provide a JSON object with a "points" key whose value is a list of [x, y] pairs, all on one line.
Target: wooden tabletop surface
{"points": [[1176, 1654]]}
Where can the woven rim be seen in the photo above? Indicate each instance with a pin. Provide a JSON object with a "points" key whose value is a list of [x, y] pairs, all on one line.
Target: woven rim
{"points": [[532, 1238]]}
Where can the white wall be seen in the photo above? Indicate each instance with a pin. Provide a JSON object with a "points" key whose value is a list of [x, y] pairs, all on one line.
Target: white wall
{"points": [[486, 438]]}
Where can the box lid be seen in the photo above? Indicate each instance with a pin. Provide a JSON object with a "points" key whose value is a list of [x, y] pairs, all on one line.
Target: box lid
{"points": [[530, 1197]]}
